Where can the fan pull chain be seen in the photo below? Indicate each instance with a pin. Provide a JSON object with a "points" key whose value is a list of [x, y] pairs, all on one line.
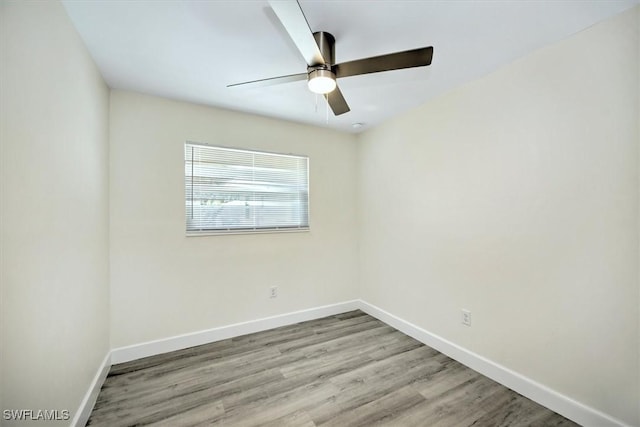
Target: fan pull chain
{"points": [[327, 110], [316, 103]]}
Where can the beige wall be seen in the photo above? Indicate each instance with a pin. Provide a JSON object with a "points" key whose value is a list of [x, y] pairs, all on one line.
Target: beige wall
{"points": [[516, 197], [54, 241], [163, 283]]}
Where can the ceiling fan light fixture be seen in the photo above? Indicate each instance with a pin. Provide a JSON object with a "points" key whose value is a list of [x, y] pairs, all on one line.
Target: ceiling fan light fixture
{"points": [[321, 81]]}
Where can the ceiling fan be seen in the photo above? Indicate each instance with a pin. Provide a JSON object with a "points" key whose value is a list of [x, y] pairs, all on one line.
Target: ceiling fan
{"points": [[318, 50]]}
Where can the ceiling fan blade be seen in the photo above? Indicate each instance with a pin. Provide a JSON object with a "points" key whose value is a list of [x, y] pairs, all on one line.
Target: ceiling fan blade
{"points": [[337, 102], [294, 21], [393, 61], [271, 81]]}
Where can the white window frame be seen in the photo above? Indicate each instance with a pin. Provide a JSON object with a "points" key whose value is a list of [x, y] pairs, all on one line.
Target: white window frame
{"points": [[236, 229]]}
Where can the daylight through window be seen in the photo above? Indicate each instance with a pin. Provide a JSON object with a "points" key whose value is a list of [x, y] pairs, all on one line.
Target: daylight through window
{"points": [[229, 190]]}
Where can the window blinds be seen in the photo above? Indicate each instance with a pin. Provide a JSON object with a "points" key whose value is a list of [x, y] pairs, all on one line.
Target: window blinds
{"points": [[231, 190]]}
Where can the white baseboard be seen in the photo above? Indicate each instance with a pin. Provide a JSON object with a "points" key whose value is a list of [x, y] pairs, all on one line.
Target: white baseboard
{"points": [[563, 405], [151, 348], [86, 406]]}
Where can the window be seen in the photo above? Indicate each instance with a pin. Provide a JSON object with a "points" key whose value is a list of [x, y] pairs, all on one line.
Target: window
{"points": [[231, 191]]}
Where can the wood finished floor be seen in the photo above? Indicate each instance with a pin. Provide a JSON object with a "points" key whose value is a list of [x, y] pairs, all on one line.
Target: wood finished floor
{"points": [[345, 370]]}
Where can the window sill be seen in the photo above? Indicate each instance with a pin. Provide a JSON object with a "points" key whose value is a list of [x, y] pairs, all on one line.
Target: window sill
{"points": [[249, 231]]}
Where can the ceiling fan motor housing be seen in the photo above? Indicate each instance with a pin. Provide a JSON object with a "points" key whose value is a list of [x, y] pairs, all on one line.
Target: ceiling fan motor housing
{"points": [[326, 43], [321, 77]]}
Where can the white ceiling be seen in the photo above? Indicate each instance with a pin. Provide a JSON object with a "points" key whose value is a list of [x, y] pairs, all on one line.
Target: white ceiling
{"points": [[191, 50]]}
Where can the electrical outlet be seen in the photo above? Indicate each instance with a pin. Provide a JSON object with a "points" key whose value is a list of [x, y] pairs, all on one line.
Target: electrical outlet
{"points": [[273, 292], [466, 317]]}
